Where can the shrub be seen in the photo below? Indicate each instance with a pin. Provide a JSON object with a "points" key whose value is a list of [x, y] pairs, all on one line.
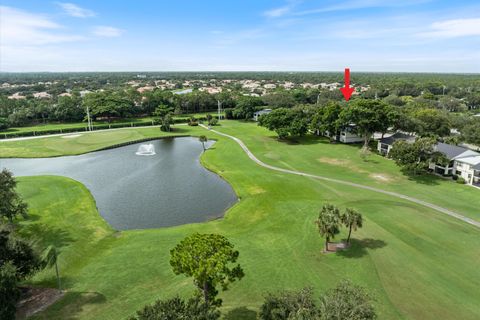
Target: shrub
{"points": [[19, 252], [9, 293], [460, 180], [347, 301], [213, 122], [193, 121], [4, 124], [177, 308], [289, 305]]}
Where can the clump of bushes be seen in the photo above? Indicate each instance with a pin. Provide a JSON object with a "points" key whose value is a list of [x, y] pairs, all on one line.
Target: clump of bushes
{"points": [[212, 121], [345, 301], [193, 121], [178, 308], [4, 124]]}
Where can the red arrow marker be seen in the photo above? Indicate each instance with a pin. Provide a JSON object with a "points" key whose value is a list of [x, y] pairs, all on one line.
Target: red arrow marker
{"points": [[346, 90]]}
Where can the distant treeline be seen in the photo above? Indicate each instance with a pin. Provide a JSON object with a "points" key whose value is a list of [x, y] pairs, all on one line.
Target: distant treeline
{"points": [[447, 100], [361, 78]]}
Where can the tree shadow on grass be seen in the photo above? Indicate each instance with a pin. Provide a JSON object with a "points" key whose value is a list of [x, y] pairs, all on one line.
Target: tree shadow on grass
{"points": [[369, 160], [241, 313], [45, 235], [359, 248], [72, 304], [424, 178], [179, 129], [50, 280], [305, 140]]}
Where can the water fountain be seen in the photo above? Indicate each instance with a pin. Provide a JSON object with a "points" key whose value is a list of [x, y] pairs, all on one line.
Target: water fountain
{"points": [[146, 150]]}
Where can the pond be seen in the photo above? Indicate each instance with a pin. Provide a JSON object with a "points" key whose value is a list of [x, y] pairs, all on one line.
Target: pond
{"points": [[138, 189]]}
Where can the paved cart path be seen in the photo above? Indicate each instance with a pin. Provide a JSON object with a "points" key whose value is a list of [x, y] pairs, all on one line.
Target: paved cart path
{"points": [[356, 185]]}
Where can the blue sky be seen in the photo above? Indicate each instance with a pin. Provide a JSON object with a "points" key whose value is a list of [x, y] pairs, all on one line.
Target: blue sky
{"points": [[141, 35]]}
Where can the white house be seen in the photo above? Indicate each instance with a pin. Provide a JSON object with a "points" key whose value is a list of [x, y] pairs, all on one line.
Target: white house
{"points": [[345, 135], [469, 169], [42, 95], [348, 136], [257, 114], [463, 162], [385, 144]]}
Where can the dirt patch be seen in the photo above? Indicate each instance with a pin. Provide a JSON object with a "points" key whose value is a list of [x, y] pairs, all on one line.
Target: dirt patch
{"points": [[381, 177], [344, 163], [34, 300], [335, 162], [256, 190], [336, 246]]}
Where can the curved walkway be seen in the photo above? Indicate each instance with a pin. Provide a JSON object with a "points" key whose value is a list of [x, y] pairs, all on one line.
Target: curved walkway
{"points": [[351, 184]]}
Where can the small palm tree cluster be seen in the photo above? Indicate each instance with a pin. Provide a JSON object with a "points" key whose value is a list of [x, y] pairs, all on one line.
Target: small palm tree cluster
{"points": [[330, 220]]}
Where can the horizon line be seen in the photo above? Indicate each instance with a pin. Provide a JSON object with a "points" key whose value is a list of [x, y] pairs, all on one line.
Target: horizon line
{"points": [[245, 71]]}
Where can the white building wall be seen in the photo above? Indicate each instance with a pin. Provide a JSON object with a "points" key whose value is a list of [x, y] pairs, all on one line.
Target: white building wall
{"points": [[348, 137], [464, 170], [383, 151]]}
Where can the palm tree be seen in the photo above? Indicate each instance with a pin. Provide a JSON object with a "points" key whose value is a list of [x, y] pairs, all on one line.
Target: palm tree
{"points": [[203, 139], [352, 219], [50, 258], [328, 223]]}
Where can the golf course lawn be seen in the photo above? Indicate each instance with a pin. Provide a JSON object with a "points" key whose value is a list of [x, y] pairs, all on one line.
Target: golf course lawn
{"points": [[418, 263], [318, 156]]}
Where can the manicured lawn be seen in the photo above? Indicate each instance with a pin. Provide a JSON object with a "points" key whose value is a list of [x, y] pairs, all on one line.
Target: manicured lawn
{"points": [[419, 264], [316, 155]]}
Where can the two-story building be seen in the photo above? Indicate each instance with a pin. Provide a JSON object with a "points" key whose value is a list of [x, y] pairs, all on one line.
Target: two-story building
{"points": [[462, 162], [469, 169]]}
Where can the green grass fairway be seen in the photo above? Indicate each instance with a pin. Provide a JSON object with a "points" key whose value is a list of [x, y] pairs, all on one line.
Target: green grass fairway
{"points": [[316, 155], [420, 264]]}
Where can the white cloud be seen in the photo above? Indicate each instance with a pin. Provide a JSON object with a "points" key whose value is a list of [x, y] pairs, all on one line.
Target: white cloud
{"points": [[75, 11], [18, 27], [361, 4], [277, 12], [282, 11], [453, 28], [106, 31]]}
